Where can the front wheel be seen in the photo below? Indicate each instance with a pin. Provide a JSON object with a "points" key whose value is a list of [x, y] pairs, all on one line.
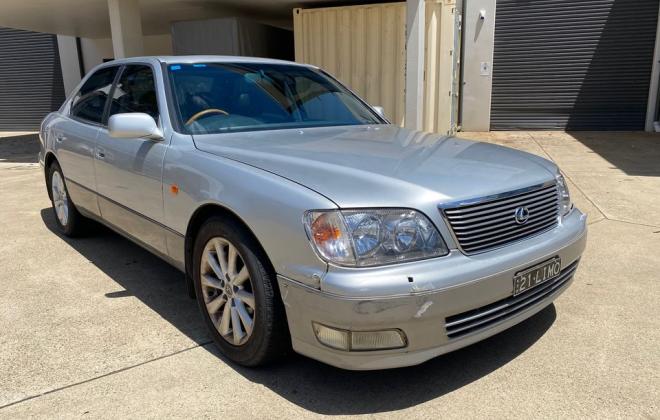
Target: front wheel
{"points": [[236, 292]]}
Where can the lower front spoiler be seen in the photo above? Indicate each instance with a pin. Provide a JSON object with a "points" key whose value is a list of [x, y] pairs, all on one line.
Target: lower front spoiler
{"points": [[307, 344], [434, 322]]}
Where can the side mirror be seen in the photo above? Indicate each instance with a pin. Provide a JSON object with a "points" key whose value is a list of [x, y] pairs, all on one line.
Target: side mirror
{"points": [[134, 125], [379, 110]]}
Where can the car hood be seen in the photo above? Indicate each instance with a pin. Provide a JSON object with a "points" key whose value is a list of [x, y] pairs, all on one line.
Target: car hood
{"points": [[382, 165]]}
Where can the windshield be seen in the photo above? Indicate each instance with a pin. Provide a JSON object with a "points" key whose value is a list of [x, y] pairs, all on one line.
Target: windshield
{"points": [[222, 97]]}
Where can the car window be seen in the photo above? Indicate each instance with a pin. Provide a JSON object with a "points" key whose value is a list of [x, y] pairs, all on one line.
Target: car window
{"points": [[135, 92], [89, 103], [218, 97]]}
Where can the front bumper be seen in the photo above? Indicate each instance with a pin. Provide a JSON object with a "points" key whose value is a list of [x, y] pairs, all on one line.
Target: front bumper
{"points": [[441, 288]]}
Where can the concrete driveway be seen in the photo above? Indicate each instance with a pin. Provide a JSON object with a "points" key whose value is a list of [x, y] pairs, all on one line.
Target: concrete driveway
{"points": [[97, 327]]}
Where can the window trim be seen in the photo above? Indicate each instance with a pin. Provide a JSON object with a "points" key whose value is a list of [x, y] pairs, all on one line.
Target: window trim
{"points": [[169, 98], [123, 66]]}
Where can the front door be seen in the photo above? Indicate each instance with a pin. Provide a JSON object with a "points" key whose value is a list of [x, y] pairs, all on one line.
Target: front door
{"points": [[129, 171]]}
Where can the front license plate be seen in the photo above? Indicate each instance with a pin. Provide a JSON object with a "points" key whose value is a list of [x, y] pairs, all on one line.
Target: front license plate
{"points": [[536, 275]]}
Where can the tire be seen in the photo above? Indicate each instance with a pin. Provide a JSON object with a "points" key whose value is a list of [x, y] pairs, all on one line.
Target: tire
{"points": [[227, 298], [68, 219]]}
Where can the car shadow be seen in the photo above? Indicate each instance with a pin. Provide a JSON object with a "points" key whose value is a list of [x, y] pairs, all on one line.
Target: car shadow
{"points": [[634, 153], [21, 148], [327, 390], [307, 383]]}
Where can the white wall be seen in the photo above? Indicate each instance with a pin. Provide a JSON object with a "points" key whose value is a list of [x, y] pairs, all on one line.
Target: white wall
{"points": [[158, 44], [477, 64], [69, 61], [95, 50]]}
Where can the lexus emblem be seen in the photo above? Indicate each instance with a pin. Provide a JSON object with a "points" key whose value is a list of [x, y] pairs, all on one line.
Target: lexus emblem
{"points": [[522, 215]]}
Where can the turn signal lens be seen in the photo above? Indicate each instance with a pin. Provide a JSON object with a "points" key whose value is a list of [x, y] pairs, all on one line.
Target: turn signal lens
{"points": [[565, 203], [325, 230], [328, 234]]}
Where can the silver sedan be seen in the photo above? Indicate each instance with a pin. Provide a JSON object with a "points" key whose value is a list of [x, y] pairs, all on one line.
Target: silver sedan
{"points": [[302, 218]]}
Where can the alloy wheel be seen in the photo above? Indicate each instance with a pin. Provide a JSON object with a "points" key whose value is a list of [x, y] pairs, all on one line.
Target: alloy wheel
{"points": [[60, 199], [227, 291]]}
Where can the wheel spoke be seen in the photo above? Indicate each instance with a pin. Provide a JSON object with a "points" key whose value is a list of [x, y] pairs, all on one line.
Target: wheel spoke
{"points": [[244, 315], [215, 304], [214, 265], [225, 319], [246, 297], [240, 278], [231, 261], [236, 326], [228, 292], [209, 281], [222, 257]]}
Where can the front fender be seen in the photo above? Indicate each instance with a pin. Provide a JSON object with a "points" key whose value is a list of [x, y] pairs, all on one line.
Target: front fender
{"points": [[271, 206]]}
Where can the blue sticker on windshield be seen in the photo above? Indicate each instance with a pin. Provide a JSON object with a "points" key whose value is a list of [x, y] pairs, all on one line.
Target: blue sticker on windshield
{"points": [[175, 67], [199, 65]]}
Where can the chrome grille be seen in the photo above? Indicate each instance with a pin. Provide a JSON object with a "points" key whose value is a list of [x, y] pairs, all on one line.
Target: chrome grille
{"points": [[491, 223], [480, 318]]}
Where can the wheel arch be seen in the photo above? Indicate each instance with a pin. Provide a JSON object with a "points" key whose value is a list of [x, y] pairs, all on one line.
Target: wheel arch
{"points": [[199, 216], [49, 159]]}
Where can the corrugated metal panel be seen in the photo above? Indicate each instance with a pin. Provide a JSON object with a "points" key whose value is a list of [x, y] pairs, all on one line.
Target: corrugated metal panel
{"points": [[365, 47], [30, 78], [564, 64]]}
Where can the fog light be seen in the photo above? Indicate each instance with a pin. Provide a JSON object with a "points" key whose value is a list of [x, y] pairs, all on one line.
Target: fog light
{"points": [[359, 340], [377, 340], [337, 339]]}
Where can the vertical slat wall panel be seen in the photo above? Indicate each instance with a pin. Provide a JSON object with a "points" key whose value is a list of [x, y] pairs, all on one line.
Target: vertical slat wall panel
{"points": [[400, 75], [365, 47], [30, 78]]}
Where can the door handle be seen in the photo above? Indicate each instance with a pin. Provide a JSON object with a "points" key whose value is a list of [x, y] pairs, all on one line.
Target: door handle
{"points": [[100, 154]]}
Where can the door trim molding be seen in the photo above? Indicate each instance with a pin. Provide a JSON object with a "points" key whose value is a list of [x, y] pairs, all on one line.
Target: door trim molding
{"points": [[111, 201]]}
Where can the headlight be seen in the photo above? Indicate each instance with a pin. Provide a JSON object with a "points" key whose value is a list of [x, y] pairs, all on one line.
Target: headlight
{"points": [[368, 237], [565, 204]]}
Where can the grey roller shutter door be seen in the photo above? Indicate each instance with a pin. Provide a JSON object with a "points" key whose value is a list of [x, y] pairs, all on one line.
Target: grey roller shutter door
{"points": [[576, 65], [30, 78]]}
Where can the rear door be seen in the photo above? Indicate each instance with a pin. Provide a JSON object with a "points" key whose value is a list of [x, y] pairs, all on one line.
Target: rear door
{"points": [[75, 136], [129, 171]]}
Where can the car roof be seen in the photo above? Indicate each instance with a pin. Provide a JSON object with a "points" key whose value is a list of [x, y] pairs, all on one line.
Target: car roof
{"points": [[190, 59]]}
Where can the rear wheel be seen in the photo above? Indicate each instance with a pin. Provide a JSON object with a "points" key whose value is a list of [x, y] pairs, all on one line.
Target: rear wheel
{"points": [[237, 295], [66, 215]]}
